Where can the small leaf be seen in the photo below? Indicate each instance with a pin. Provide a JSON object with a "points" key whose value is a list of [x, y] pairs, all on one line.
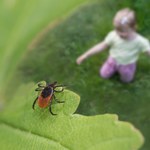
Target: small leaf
{"points": [[38, 128], [70, 104]]}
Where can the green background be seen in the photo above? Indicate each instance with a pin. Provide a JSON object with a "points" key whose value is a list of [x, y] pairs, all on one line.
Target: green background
{"points": [[53, 53]]}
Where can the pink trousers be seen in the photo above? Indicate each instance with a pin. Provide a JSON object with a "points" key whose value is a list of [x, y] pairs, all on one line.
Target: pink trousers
{"points": [[110, 67]]}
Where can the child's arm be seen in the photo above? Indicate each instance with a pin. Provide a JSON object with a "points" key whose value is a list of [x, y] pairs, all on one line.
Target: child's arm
{"points": [[96, 49], [148, 52]]}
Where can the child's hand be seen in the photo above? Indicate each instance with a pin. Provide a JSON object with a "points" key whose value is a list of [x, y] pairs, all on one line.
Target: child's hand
{"points": [[80, 59], [149, 52]]}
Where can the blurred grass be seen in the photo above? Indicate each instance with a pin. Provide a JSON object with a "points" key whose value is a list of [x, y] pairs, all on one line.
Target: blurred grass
{"points": [[54, 59], [20, 22]]}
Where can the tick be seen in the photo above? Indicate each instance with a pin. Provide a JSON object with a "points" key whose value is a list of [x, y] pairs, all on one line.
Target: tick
{"points": [[47, 94]]}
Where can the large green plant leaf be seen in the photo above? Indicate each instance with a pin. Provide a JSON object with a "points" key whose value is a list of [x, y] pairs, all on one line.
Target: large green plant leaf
{"points": [[38, 129]]}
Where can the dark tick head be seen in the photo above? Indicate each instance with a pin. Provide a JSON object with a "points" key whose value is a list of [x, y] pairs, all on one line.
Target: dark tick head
{"points": [[47, 91]]}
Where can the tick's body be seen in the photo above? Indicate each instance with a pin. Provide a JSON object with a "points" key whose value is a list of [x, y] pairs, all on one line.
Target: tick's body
{"points": [[46, 95], [44, 102]]}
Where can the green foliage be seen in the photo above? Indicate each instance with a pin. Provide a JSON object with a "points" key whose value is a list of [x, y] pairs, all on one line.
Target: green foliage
{"points": [[38, 129], [21, 21], [66, 41], [143, 16]]}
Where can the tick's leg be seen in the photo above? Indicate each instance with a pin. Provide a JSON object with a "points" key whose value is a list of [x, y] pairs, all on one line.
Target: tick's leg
{"points": [[59, 91], [39, 89], [57, 99], [40, 85], [34, 103], [60, 85], [50, 110]]}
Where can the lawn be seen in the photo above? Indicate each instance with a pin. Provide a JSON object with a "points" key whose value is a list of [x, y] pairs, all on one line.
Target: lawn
{"points": [[53, 58]]}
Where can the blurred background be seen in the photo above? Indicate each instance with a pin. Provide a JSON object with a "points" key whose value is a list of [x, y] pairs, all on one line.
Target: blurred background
{"points": [[38, 44]]}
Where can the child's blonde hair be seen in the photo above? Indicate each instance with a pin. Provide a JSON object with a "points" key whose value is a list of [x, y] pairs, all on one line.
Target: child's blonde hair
{"points": [[126, 17]]}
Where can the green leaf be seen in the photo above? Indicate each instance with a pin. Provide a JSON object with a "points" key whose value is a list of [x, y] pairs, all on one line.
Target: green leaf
{"points": [[38, 129], [20, 23], [10, 137]]}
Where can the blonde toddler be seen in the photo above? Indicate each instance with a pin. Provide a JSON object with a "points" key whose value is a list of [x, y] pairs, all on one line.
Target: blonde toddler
{"points": [[125, 47]]}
